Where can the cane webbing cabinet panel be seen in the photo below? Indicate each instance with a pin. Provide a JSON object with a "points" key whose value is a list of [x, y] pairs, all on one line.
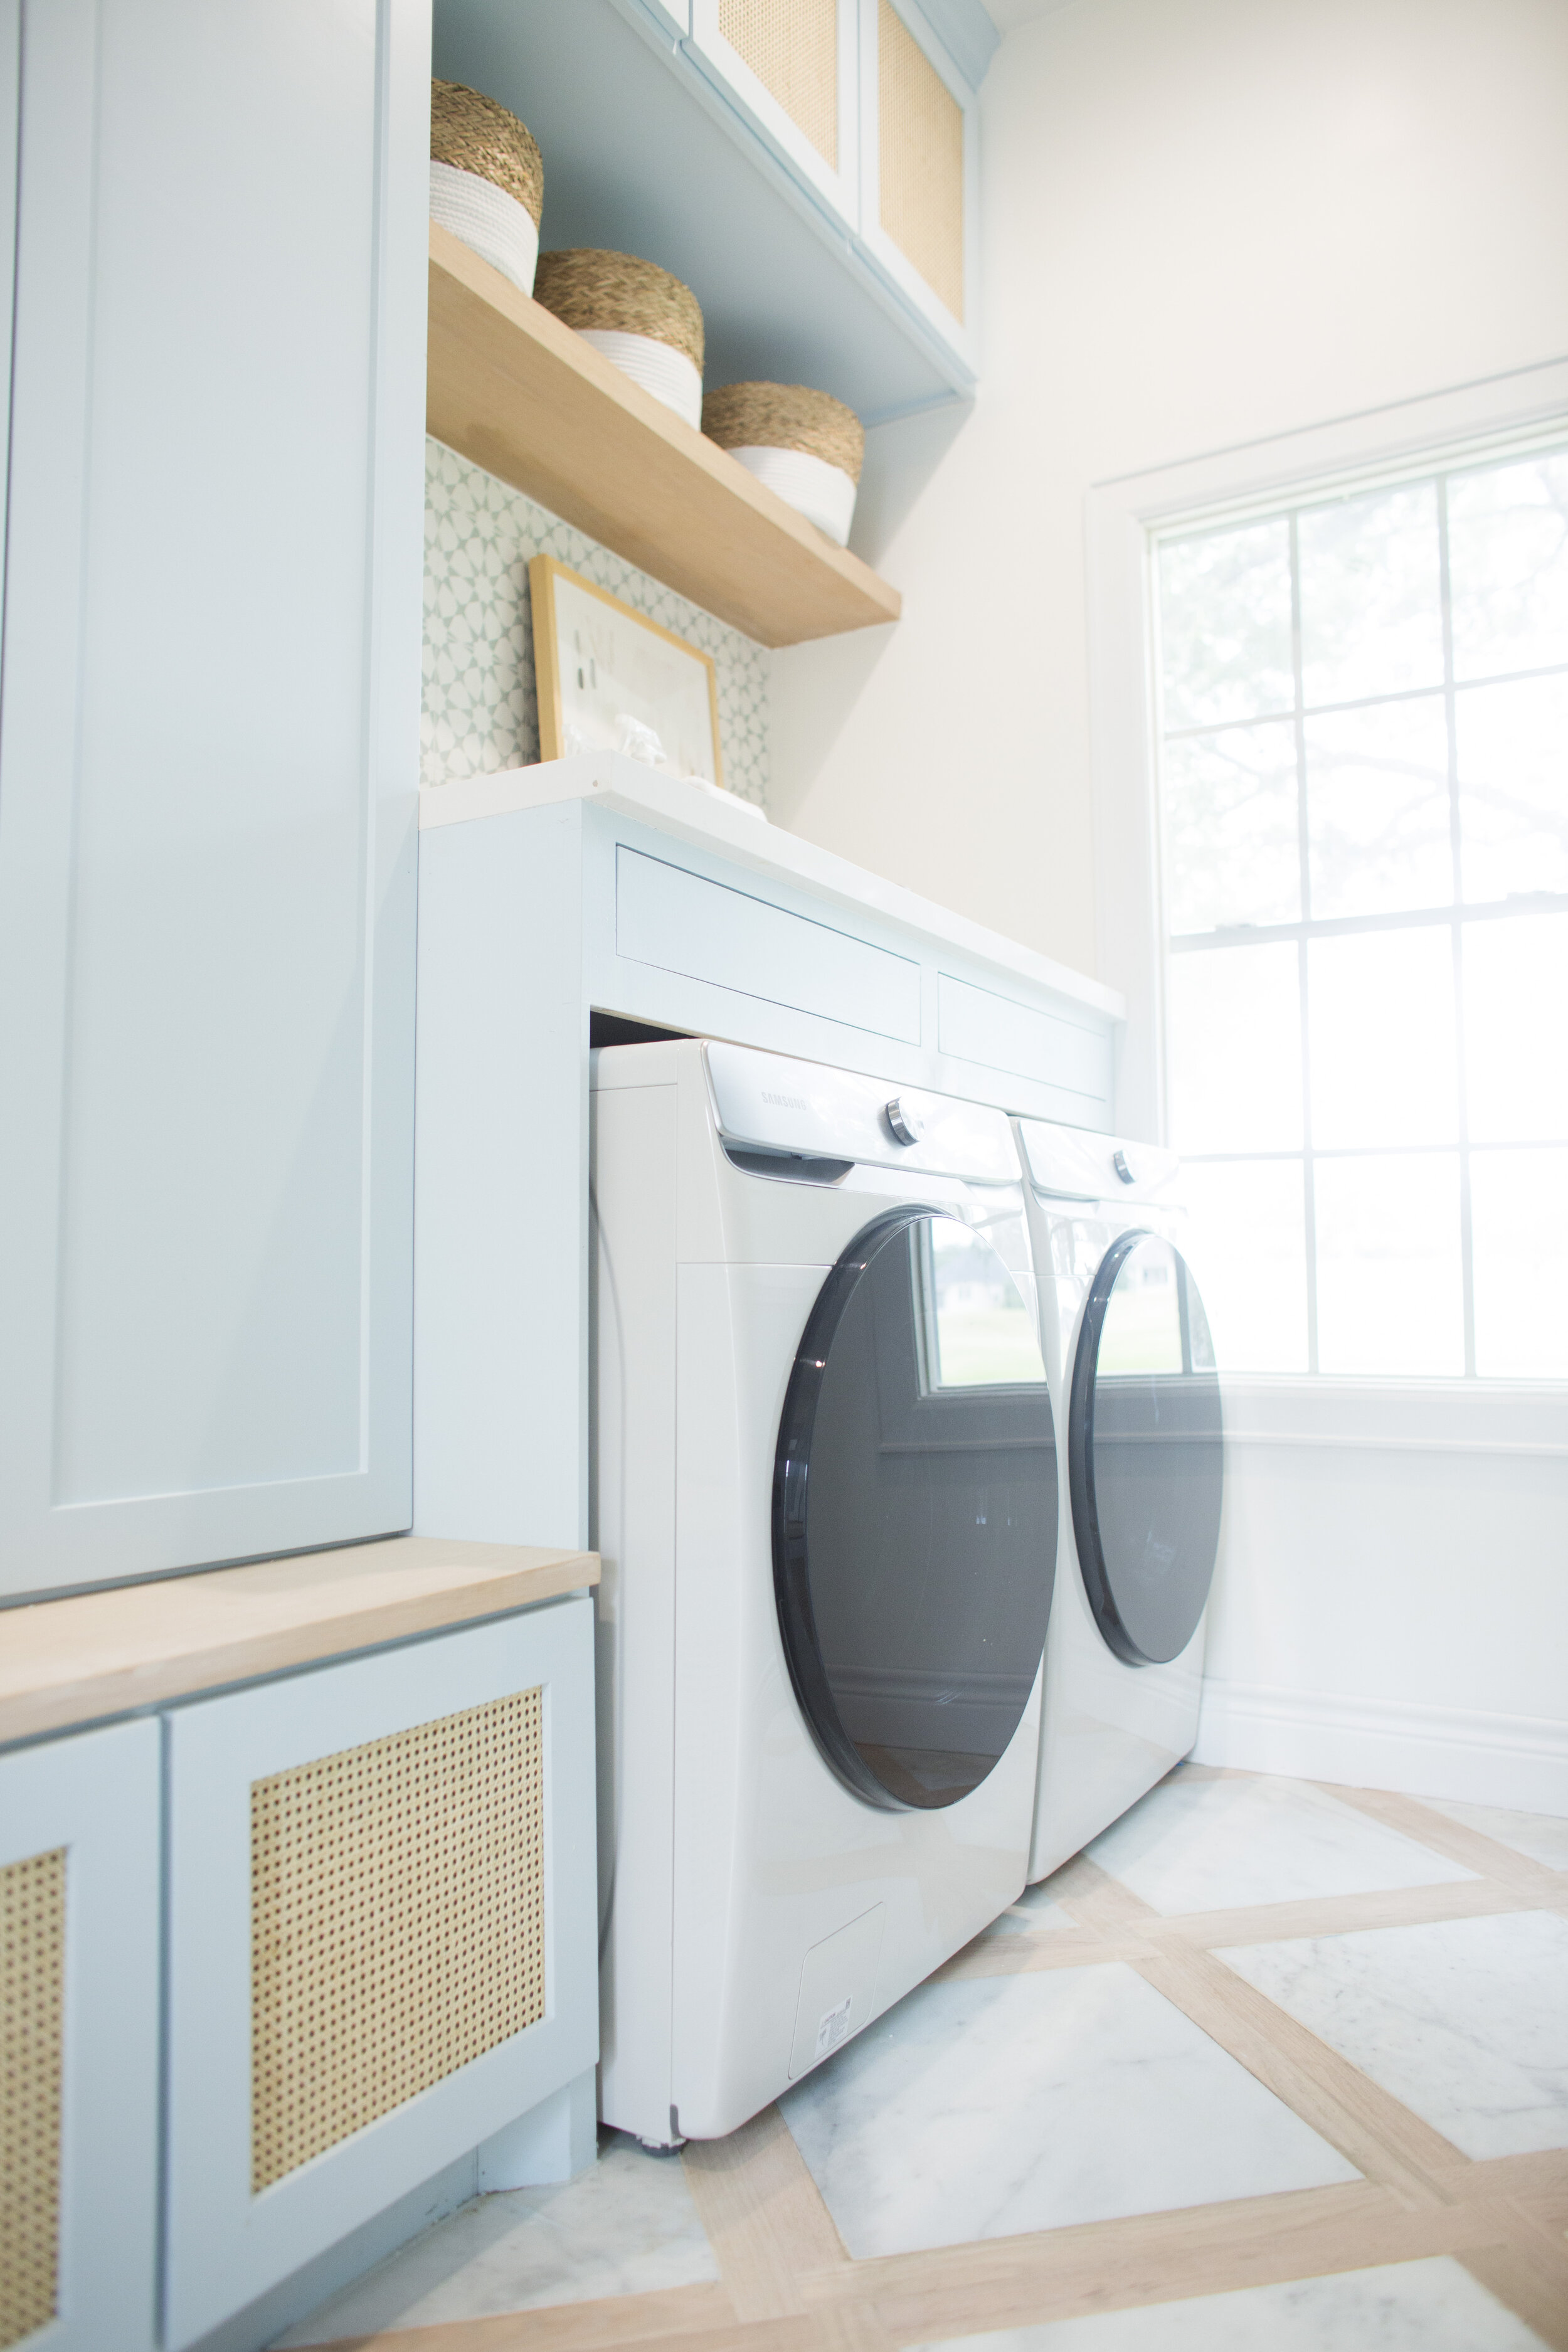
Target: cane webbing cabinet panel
{"points": [[382, 1940], [397, 1922], [919, 129], [792, 46], [80, 1851], [32, 2026]]}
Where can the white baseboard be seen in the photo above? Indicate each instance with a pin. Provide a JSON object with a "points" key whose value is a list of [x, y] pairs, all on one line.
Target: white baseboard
{"points": [[1423, 1751]]}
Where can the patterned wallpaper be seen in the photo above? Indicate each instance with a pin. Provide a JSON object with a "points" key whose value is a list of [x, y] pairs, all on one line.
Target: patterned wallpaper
{"points": [[479, 707]]}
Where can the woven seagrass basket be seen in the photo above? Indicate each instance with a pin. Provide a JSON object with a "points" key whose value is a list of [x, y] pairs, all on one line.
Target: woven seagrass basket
{"points": [[805, 445], [786, 416], [615, 293], [474, 133]]}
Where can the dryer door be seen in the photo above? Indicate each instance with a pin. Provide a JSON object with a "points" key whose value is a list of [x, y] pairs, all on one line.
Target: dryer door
{"points": [[1145, 1448], [915, 1511]]}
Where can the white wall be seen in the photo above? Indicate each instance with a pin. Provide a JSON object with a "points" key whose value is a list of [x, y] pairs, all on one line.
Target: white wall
{"points": [[1208, 222], [1204, 222], [1391, 1604]]}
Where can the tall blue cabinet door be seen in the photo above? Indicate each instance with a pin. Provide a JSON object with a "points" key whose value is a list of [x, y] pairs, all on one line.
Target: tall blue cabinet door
{"points": [[208, 782]]}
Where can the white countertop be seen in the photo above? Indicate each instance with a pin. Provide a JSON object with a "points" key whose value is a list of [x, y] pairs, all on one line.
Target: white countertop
{"points": [[720, 823]]}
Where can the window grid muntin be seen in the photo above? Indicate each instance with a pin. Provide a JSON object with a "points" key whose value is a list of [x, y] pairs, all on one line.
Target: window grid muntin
{"points": [[1454, 915], [1304, 900], [1364, 702]]}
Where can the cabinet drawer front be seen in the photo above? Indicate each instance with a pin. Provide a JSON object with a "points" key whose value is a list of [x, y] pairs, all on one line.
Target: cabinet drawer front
{"points": [[975, 1024], [705, 931]]}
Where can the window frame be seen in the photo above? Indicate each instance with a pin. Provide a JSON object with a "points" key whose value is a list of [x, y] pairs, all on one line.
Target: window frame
{"points": [[1126, 520]]}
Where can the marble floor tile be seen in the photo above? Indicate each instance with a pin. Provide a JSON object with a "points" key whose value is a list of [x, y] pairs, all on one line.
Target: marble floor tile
{"points": [[1542, 1836], [1424, 2306], [988, 2106], [1465, 2021], [623, 2227], [1036, 1911], [1222, 1845]]}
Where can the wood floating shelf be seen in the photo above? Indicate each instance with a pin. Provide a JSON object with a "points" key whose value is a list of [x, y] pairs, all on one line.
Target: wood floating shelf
{"points": [[525, 397]]}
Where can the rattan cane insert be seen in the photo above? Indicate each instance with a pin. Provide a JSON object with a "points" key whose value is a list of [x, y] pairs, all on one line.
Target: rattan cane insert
{"points": [[792, 46], [31, 2029], [920, 148], [475, 134], [397, 1922]]}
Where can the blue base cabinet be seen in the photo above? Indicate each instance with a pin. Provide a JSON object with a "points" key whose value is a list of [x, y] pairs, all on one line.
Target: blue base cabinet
{"points": [[79, 2040], [382, 1939]]}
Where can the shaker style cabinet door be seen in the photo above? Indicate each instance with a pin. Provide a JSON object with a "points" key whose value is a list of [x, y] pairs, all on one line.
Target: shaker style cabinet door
{"points": [[79, 2042], [208, 781], [920, 170], [789, 67], [383, 1938]]}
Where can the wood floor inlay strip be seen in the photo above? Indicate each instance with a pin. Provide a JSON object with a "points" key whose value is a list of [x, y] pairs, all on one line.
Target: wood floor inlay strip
{"points": [[1539, 2173], [1273, 1923], [665, 2315], [1345, 1914], [1456, 1840], [764, 2216], [1532, 2278], [787, 2284], [1100, 1901], [1018, 1956], [1379, 2137], [1156, 2258]]}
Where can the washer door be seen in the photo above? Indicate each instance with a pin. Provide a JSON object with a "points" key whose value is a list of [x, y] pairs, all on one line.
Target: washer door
{"points": [[1145, 1450], [915, 1511]]}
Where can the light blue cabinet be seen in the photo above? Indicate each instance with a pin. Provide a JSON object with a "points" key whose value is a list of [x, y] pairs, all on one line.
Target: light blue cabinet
{"points": [[286, 1969], [80, 1901], [812, 172], [208, 760], [382, 1942]]}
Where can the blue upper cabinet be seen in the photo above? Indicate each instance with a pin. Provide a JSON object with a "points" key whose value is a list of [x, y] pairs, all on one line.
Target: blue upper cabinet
{"points": [[810, 167], [208, 782], [919, 172], [790, 73]]}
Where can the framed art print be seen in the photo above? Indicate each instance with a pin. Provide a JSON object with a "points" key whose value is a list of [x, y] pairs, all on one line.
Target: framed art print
{"points": [[610, 680]]}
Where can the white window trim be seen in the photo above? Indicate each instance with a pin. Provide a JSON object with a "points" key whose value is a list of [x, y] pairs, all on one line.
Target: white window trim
{"points": [[1122, 517]]}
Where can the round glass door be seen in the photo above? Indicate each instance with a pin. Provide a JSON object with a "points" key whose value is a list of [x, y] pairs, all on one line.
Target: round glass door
{"points": [[1145, 1450], [915, 1511]]}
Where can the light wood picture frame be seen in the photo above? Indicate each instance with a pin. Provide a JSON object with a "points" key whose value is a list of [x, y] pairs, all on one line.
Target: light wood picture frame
{"points": [[610, 680]]}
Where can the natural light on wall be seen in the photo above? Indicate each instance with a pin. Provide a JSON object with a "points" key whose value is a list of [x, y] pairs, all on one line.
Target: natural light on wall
{"points": [[1364, 791]]}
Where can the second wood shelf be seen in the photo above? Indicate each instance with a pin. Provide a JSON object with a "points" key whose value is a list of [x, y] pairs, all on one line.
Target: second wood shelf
{"points": [[526, 398]]}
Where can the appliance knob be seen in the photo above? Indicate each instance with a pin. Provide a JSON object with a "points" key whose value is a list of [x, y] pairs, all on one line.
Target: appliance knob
{"points": [[905, 1120], [1125, 1168]]}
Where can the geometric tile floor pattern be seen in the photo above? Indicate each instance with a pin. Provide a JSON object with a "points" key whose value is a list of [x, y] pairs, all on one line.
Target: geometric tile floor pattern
{"points": [[1270, 2065]]}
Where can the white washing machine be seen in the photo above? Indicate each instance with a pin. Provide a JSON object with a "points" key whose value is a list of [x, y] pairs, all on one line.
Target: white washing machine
{"points": [[1132, 1365], [827, 1501]]}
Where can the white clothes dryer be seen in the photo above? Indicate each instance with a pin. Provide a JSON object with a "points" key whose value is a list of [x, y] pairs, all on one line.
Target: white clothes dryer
{"points": [[826, 1498], [1131, 1364]]}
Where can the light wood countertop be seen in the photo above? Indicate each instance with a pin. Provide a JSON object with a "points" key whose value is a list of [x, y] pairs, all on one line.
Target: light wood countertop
{"points": [[67, 1662]]}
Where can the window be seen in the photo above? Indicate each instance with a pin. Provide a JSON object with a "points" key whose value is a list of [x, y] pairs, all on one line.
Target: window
{"points": [[1365, 797], [972, 1328]]}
